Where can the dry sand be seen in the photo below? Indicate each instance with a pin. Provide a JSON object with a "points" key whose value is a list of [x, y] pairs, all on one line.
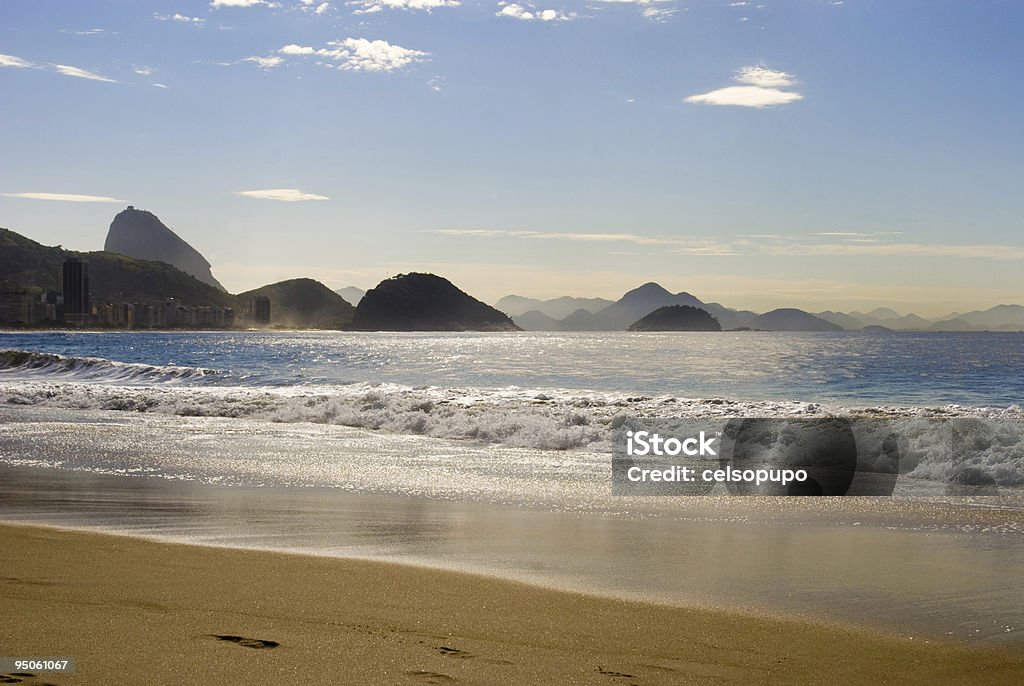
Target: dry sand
{"points": [[139, 612]]}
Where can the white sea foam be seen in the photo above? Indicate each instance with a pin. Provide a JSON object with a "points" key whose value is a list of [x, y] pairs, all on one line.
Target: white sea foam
{"points": [[525, 418]]}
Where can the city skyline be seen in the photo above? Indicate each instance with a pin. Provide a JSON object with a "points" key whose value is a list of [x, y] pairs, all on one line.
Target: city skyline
{"points": [[819, 155]]}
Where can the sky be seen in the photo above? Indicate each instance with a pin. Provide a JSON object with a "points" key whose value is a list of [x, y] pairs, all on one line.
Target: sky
{"points": [[802, 153]]}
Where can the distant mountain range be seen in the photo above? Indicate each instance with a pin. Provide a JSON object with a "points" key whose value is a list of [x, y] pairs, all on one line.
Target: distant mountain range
{"points": [[351, 294], [642, 301], [556, 308], [146, 261]]}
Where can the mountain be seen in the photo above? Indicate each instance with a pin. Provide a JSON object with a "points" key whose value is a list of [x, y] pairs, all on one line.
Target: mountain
{"points": [[790, 319], [728, 317], [556, 308], [677, 318], [846, 321], [638, 303], [535, 320], [112, 277], [140, 234], [425, 302], [581, 320], [957, 324], [1003, 317], [351, 294], [303, 304]]}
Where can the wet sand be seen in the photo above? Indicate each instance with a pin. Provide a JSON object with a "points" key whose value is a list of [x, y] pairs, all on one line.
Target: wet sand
{"points": [[136, 611]]}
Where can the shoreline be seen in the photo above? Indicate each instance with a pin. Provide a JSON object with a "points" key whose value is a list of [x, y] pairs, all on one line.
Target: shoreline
{"points": [[130, 609]]}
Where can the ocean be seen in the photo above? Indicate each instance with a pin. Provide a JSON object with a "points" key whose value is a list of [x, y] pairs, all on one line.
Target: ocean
{"points": [[490, 453]]}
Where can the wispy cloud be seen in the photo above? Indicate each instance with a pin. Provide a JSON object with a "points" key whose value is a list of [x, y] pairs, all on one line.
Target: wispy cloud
{"points": [[764, 77], [873, 244], [359, 54], [563, 235], [218, 4], [762, 89], [265, 63], [373, 6], [68, 70], [314, 6], [143, 71], [181, 19], [15, 62], [652, 9], [282, 195], [62, 197]]}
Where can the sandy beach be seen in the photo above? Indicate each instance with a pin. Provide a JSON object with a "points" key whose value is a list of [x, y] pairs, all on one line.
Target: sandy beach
{"points": [[136, 611]]}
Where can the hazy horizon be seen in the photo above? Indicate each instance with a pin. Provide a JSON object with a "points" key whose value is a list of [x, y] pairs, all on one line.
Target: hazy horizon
{"points": [[818, 154]]}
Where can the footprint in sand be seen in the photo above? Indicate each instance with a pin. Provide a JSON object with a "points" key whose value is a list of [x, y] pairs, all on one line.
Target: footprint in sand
{"points": [[19, 678], [448, 651], [431, 677], [254, 643], [613, 673]]}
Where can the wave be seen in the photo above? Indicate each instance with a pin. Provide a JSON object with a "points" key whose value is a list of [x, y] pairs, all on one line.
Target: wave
{"points": [[33, 364], [517, 417]]}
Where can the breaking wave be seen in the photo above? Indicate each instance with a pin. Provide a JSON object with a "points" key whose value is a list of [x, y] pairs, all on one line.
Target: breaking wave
{"points": [[517, 417], [33, 364]]}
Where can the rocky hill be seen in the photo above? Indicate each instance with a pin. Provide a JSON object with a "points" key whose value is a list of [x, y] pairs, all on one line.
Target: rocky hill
{"points": [[425, 302], [303, 304], [140, 234], [112, 277], [677, 318]]}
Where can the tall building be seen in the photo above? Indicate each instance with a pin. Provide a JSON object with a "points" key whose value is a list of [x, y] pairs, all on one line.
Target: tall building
{"points": [[75, 283], [260, 307]]}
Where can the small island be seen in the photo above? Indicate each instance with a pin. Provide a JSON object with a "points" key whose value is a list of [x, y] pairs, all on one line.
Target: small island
{"points": [[676, 318], [425, 302]]}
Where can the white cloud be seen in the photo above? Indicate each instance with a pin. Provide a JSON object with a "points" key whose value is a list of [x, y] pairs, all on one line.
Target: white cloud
{"points": [[377, 55], [293, 49], [357, 54], [143, 71], [659, 14], [531, 12], [762, 90], [62, 197], [516, 12], [12, 61], [265, 62], [745, 96], [81, 73], [371, 6], [159, 85], [180, 18], [282, 195], [764, 77]]}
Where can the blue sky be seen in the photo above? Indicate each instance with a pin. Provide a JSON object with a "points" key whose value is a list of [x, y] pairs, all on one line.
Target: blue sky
{"points": [[805, 153]]}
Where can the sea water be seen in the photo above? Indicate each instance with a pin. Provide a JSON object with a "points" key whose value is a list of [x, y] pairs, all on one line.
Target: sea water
{"points": [[489, 453]]}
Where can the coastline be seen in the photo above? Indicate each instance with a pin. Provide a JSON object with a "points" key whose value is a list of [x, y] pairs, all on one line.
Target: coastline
{"points": [[131, 610]]}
